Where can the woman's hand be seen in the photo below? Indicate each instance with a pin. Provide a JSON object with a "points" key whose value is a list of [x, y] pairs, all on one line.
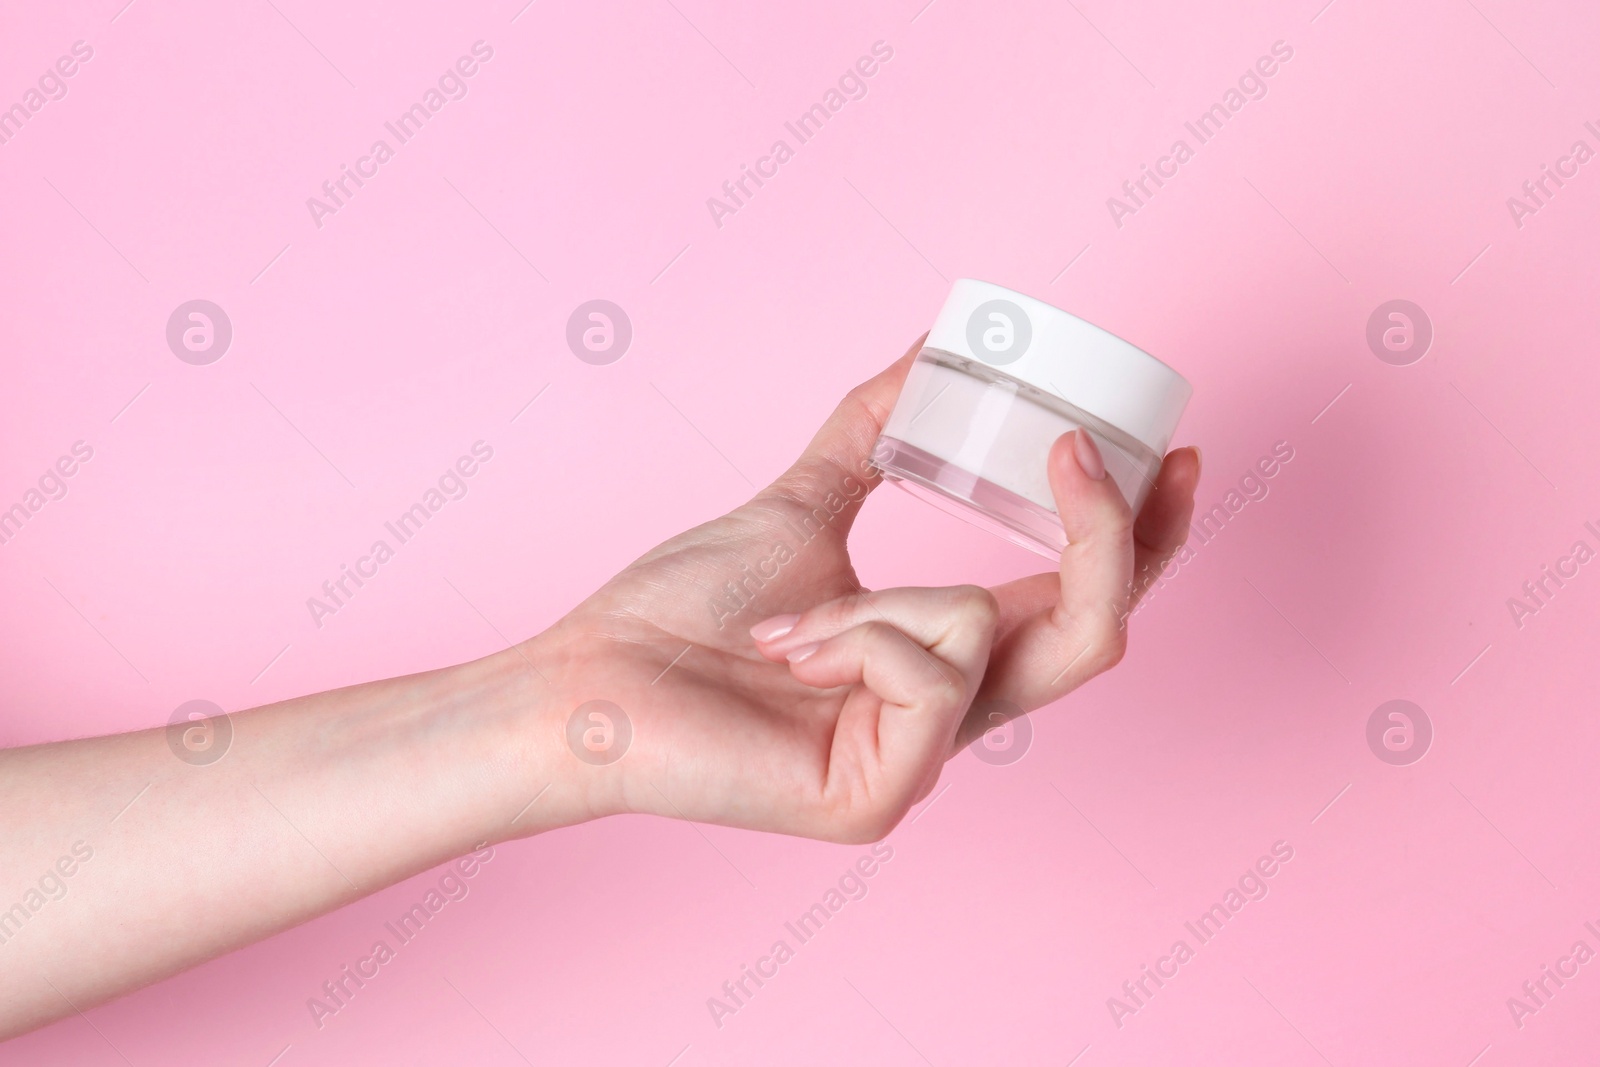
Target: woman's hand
{"points": [[766, 688], [763, 686]]}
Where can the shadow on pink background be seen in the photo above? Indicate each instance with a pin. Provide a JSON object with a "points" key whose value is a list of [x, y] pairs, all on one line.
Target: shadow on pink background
{"points": [[429, 312]]}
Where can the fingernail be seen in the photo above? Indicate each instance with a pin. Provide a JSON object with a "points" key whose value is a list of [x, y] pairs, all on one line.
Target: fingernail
{"points": [[1088, 454], [773, 628], [1199, 462], [803, 652]]}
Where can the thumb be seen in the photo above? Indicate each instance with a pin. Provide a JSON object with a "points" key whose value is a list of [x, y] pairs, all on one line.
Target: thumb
{"points": [[836, 466]]}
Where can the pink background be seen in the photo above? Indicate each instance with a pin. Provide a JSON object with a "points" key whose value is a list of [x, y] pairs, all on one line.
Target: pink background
{"points": [[431, 309]]}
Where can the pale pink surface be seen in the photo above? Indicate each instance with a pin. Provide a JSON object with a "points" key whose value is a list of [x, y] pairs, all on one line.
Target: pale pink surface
{"points": [[406, 328]]}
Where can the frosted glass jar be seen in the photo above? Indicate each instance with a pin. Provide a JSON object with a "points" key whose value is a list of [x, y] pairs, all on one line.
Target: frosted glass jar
{"points": [[1001, 376]]}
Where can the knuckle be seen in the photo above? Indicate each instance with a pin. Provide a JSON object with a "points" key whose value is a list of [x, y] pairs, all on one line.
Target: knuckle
{"points": [[1118, 526], [954, 692], [977, 604], [867, 826], [1108, 641], [1113, 645], [864, 398]]}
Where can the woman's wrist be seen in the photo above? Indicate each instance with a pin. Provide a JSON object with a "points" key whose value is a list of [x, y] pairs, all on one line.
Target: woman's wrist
{"points": [[518, 776], [577, 735]]}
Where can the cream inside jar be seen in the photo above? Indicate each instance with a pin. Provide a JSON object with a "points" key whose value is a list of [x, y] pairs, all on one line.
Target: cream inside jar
{"points": [[999, 379]]}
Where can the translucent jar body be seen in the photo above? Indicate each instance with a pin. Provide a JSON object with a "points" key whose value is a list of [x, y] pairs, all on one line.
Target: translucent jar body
{"points": [[974, 441]]}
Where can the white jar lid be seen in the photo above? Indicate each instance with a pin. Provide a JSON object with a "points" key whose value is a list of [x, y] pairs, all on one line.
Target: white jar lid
{"points": [[1060, 354]]}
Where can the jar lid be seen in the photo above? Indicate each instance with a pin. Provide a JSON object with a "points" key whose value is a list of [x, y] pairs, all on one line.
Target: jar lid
{"points": [[1060, 354]]}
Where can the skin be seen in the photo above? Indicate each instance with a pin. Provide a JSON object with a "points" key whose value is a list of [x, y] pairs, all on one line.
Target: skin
{"points": [[829, 718]]}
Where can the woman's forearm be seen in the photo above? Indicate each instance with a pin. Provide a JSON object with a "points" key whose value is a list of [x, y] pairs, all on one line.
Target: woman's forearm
{"points": [[123, 863], [736, 674]]}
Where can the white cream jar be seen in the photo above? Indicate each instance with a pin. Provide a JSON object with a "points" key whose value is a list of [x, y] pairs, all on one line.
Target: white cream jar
{"points": [[1001, 376]]}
